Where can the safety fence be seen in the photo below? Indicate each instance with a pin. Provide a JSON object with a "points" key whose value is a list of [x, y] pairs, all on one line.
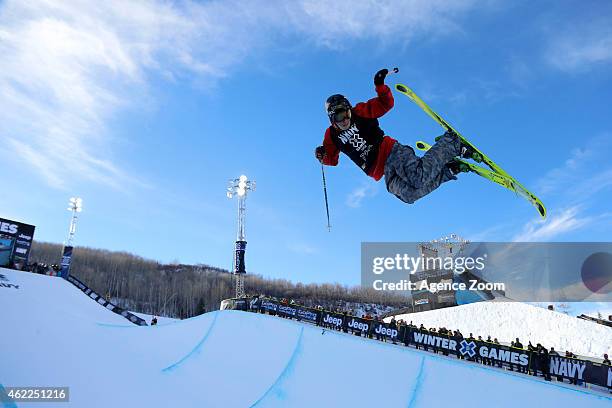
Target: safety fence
{"points": [[105, 303], [596, 320], [572, 370]]}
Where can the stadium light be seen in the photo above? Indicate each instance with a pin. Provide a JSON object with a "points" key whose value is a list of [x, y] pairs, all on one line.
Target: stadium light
{"points": [[75, 205], [240, 187]]}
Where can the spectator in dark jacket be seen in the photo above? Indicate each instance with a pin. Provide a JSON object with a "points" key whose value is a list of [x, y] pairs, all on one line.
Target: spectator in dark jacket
{"points": [[553, 353], [496, 342], [378, 335], [533, 359], [517, 344], [569, 354], [544, 362], [393, 326]]}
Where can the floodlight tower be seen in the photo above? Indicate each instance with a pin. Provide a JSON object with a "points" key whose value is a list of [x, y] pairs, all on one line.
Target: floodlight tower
{"points": [[240, 187], [76, 206]]}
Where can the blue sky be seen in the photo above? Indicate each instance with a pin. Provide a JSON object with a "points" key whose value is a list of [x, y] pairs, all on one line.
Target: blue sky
{"points": [[146, 109]]}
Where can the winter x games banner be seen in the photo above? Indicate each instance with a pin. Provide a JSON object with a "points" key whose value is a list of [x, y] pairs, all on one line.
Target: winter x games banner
{"points": [[15, 243], [493, 354]]}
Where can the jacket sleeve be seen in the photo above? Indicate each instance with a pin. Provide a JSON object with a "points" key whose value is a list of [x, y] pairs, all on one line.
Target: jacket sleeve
{"points": [[376, 107], [331, 151]]}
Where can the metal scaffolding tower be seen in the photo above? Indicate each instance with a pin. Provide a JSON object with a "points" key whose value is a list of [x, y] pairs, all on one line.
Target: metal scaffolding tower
{"points": [[240, 187]]}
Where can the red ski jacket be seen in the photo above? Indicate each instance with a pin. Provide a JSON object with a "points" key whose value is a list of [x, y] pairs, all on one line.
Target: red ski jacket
{"points": [[364, 142]]}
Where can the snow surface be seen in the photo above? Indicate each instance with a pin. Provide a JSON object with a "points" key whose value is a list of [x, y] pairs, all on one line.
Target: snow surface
{"points": [[509, 320], [160, 319], [53, 335]]}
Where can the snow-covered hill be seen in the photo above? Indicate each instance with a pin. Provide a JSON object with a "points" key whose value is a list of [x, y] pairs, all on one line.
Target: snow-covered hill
{"points": [[509, 320], [53, 335]]}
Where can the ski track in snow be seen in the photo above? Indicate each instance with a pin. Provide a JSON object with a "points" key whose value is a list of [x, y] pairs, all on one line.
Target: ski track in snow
{"points": [[196, 349]]}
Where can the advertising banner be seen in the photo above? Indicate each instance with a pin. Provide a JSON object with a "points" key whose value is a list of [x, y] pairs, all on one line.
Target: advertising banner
{"points": [[239, 266], [269, 305], [493, 354], [385, 331], [6, 250], [66, 260], [286, 311], [308, 315], [580, 370], [333, 320], [356, 324], [15, 239]]}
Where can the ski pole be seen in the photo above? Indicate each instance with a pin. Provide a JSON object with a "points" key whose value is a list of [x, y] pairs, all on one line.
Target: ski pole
{"points": [[325, 193]]}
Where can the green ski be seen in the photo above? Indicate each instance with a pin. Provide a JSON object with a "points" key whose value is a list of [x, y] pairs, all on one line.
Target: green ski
{"points": [[500, 179], [497, 175]]}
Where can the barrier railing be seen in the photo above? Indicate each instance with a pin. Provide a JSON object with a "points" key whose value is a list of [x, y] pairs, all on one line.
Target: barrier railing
{"points": [[574, 370], [105, 303], [596, 320]]}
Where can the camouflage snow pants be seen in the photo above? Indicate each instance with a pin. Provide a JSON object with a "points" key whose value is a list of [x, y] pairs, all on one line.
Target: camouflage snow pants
{"points": [[410, 177]]}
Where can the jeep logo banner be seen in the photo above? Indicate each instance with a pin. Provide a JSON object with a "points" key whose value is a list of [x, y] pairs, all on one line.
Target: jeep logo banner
{"points": [[361, 325], [333, 320], [16, 240], [384, 330]]}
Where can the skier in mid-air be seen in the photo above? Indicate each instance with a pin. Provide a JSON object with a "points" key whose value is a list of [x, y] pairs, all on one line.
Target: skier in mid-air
{"points": [[355, 131]]}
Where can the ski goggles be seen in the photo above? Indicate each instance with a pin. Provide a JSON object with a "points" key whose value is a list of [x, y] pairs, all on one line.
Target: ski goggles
{"points": [[341, 115]]}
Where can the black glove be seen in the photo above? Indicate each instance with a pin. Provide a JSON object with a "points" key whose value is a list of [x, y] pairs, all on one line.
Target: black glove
{"points": [[379, 78], [320, 153]]}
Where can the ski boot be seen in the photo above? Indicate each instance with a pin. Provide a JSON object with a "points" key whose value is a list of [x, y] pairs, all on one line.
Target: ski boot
{"points": [[457, 166], [467, 151]]}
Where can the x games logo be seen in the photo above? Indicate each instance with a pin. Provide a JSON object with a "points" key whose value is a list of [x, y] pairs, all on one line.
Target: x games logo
{"points": [[467, 348]]}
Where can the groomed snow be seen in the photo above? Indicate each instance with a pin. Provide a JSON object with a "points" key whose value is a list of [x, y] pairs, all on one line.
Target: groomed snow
{"points": [[160, 319], [509, 320], [53, 335]]}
